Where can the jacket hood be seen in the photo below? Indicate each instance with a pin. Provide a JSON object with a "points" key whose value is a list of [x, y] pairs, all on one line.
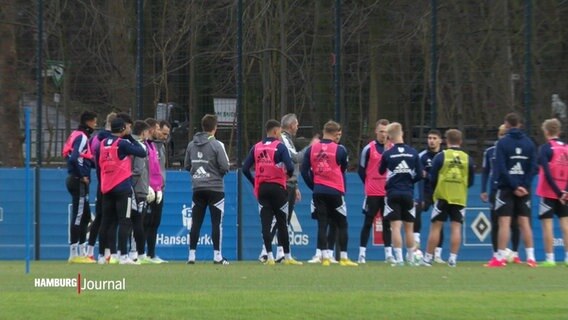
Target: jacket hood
{"points": [[103, 134], [202, 138], [515, 133]]}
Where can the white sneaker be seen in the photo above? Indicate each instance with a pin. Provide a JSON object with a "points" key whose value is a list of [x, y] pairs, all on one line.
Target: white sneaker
{"points": [[158, 260], [315, 259], [127, 260], [133, 255], [439, 260], [332, 260], [361, 259], [102, 260], [390, 259]]}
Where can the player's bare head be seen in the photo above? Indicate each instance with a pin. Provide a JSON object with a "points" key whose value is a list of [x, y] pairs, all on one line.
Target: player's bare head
{"points": [[331, 127], [502, 131], [381, 130], [273, 128], [453, 137], [552, 127], [382, 122], [289, 122], [394, 131], [513, 120], [209, 122], [111, 116]]}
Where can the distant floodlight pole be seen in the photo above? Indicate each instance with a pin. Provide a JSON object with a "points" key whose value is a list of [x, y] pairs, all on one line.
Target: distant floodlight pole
{"points": [[28, 196]]}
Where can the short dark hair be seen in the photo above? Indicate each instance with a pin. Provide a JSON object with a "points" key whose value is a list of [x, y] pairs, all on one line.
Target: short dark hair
{"points": [[139, 126], [209, 122], [126, 117], [513, 119], [271, 124], [165, 123], [152, 122], [382, 122], [87, 116], [435, 132]]}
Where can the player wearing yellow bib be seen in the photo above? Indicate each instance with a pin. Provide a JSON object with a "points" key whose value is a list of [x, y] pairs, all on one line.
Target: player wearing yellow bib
{"points": [[451, 176]]}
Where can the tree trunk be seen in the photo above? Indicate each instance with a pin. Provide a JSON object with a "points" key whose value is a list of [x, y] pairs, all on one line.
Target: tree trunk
{"points": [[122, 38], [11, 154]]}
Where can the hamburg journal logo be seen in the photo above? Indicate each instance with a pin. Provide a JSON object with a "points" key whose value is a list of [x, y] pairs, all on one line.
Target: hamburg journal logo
{"points": [[81, 284]]}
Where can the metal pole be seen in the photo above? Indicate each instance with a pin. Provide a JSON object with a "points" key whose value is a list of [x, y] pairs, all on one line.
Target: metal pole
{"points": [[337, 68], [433, 64], [528, 65], [39, 79], [139, 56], [239, 128], [28, 197]]}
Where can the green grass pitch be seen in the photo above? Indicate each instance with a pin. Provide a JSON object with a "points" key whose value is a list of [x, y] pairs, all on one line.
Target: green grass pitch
{"points": [[250, 290]]}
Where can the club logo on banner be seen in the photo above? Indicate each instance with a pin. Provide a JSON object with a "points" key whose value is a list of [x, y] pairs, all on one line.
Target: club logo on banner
{"points": [[477, 227]]}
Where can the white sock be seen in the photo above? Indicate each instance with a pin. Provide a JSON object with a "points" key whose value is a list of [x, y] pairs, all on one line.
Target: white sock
{"points": [[114, 256], [318, 253], [330, 254], [417, 237], [343, 255], [515, 254], [398, 254], [501, 254], [428, 257], [107, 253], [550, 257], [73, 252], [217, 255], [438, 252], [287, 256], [410, 254], [530, 253], [362, 251], [325, 254], [263, 251], [495, 254], [388, 251], [142, 256], [279, 251], [270, 255], [453, 257], [191, 255], [90, 251]]}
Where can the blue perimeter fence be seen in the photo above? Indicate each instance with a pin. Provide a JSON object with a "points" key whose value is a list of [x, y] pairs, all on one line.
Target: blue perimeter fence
{"points": [[173, 234]]}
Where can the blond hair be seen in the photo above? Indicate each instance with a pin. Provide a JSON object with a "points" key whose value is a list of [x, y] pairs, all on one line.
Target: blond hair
{"points": [[394, 130], [552, 126]]}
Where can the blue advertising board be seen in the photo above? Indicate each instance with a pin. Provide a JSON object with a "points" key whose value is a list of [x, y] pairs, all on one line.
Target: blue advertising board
{"points": [[173, 234]]}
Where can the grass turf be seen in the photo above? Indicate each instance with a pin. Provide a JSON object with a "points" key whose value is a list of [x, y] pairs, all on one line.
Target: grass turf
{"points": [[250, 290]]}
